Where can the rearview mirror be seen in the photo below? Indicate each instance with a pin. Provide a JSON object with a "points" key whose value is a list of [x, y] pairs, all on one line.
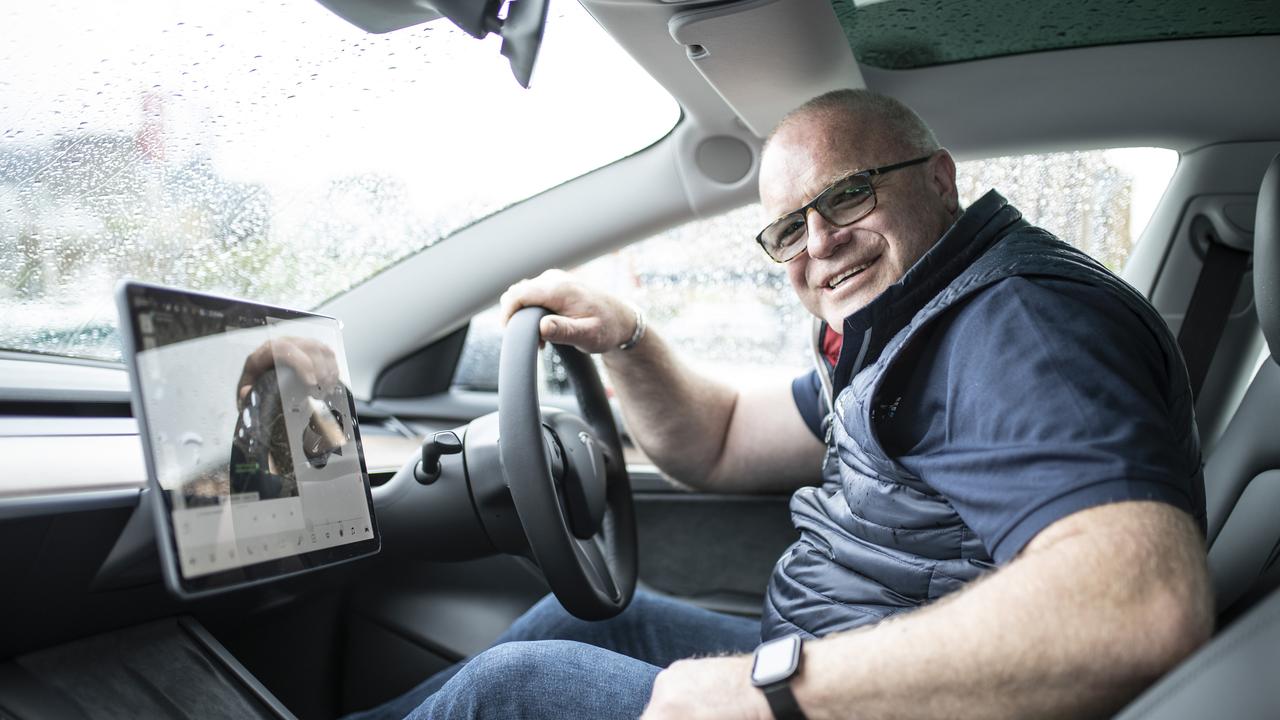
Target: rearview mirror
{"points": [[521, 28]]}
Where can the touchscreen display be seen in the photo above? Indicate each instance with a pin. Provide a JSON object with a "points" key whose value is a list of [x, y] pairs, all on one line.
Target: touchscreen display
{"points": [[251, 431]]}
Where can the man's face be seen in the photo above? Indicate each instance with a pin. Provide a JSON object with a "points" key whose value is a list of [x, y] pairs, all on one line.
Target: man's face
{"points": [[844, 268]]}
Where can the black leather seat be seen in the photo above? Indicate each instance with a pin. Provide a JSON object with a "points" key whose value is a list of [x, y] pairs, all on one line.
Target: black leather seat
{"points": [[1242, 476], [1234, 676]]}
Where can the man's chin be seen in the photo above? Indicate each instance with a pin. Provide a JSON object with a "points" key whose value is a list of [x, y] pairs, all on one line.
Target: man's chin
{"points": [[838, 311]]}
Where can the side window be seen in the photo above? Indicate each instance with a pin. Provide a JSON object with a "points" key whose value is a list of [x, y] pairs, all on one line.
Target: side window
{"points": [[478, 364], [730, 312], [717, 299], [706, 286], [1097, 200]]}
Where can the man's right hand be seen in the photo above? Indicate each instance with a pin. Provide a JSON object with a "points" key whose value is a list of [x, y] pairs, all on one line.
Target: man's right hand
{"points": [[582, 316]]}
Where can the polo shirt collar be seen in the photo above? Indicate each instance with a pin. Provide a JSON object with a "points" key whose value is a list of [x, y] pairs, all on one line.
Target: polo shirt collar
{"points": [[868, 331]]}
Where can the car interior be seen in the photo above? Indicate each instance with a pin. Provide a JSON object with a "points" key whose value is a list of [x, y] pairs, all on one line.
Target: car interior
{"points": [[89, 626]]}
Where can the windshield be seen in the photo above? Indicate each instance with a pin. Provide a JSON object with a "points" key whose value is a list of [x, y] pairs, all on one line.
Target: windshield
{"points": [[272, 151]]}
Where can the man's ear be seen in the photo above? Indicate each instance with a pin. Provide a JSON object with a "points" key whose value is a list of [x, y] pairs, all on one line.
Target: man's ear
{"points": [[942, 179]]}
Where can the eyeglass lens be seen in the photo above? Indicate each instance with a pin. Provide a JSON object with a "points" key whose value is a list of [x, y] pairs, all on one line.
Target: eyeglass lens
{"points": [[845, 202]]}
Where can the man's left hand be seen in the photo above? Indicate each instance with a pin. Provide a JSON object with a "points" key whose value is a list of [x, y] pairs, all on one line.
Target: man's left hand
{"points": [[718, 687]]}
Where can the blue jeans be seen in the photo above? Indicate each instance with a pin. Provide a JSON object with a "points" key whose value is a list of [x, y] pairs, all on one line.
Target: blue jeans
{"points": [[550, 664]]}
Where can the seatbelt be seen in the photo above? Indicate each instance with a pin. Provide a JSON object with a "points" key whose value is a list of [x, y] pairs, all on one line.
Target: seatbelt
{"points": [[1211, 301]]}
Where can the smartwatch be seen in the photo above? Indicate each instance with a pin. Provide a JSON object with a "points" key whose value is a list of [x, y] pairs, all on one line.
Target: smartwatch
{"points": [[776, 662]]}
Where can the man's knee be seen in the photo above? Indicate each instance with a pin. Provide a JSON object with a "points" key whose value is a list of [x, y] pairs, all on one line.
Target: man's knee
{"points": [[516, 662], [534, 663], [498, 681], [547, 678]]}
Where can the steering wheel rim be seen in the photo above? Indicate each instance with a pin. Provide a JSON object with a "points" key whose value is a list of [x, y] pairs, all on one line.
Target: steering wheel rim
{"points": [[593, 578]]}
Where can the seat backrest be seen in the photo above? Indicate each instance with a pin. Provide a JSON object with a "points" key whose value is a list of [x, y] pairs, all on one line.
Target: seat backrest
{"points": [[1231, 677], [1242, 476]]}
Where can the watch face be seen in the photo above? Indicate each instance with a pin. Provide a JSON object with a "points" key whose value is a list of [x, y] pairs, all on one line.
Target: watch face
{"points": [[776, 660]]}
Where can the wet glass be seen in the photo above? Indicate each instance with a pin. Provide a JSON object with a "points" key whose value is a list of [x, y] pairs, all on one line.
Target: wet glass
{"points": [[271, 150]]}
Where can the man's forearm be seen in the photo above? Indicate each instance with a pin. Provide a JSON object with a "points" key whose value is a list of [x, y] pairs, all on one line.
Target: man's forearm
{"points": [[678, 418], [1076, 627]]}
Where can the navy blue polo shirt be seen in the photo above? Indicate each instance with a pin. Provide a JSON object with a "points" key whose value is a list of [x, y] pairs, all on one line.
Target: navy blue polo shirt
{"points": [[1033, 400]]}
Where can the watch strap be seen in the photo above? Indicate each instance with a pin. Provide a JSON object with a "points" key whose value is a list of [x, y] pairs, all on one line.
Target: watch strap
{"points": [[782, 702]]}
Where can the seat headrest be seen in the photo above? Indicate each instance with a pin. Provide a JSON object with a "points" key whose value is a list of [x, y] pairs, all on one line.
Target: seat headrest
{"points": [[1266, 257]]}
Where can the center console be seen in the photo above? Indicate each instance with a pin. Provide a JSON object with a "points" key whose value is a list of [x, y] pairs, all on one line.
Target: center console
{"points": [[170, 668]]}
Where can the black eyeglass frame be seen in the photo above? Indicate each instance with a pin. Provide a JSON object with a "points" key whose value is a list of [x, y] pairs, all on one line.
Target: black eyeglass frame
{"points": [[819, 202]]}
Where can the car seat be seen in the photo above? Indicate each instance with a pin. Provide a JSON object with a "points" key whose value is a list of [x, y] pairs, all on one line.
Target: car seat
{"points": [[1233, 676], [1242, 475]]}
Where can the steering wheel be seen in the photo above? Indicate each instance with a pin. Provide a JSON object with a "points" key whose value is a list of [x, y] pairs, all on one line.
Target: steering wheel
{"points": [[567, 477]]}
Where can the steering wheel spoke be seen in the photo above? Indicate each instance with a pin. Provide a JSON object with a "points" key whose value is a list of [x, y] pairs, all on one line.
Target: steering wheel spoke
{"points": [[591, 554]]}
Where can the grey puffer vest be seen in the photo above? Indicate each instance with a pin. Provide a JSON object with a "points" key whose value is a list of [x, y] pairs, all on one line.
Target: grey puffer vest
{"points": [[874, 539]]}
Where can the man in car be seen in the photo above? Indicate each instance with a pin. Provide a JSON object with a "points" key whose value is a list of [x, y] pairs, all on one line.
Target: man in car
{"points": [[996, 470]]}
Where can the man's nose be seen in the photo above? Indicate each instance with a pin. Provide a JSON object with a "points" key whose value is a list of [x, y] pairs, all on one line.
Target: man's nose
{"points": [[823, 237]]}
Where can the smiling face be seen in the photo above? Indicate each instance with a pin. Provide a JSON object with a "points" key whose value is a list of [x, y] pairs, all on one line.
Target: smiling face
{"points": [[844, 268]]}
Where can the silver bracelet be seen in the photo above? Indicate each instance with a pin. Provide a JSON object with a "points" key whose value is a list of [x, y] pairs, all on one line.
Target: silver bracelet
{"points": [[638, 335]]}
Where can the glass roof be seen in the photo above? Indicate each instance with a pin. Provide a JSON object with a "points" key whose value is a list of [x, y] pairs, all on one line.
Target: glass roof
{"points": [[904, 34]]}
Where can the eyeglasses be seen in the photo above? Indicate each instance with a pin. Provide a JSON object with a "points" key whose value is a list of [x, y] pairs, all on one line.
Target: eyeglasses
{"points": [[846, 201]]}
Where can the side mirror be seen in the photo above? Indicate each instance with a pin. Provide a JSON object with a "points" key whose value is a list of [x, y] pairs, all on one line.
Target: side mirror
{"points": [[521, 29]]}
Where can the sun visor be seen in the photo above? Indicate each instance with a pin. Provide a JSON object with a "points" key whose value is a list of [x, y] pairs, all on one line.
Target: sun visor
{"points": [[765, 57]]}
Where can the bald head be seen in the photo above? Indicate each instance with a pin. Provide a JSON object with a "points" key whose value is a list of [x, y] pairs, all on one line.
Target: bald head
{"points": [[864, 119]]}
